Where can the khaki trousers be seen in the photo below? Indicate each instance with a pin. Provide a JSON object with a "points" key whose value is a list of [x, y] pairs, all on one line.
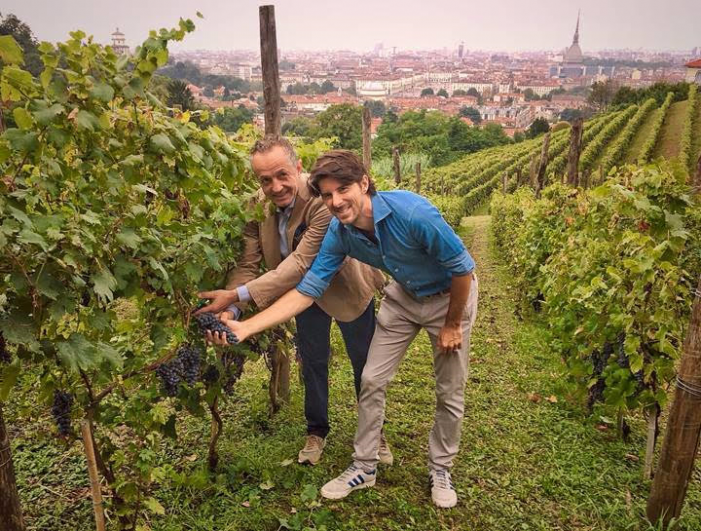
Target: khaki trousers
{"points": [[399, 320]]}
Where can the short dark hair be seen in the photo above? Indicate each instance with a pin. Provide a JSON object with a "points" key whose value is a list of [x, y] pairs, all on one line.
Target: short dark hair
{"points": [[341, 164], [272, 141]]}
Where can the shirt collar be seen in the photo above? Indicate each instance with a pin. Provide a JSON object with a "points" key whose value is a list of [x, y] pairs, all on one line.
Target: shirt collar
{"points": [[380, 208], [288, 209]]}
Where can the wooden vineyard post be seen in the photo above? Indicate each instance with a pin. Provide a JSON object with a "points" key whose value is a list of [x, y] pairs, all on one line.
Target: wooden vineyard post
{"points": [[215, 432], [653, 418], [519, 176], [504, 182], [418, 177], [681, 441], [269, 64], [397, 169], [542, 165], [367, 146], [94, 478], [10, 508], [532, 172], [575, 150]]}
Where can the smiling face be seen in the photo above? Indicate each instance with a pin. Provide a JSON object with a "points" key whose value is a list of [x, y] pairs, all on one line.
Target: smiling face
{"points": [[349, 202], [278, 175]]}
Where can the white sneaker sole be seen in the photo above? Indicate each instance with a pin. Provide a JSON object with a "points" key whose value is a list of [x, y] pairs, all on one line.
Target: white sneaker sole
{"points": [[338, 495], [444, 505], [308, 460]]}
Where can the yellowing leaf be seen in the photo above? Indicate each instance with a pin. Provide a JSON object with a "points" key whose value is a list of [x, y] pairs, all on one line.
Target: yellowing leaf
{"points": [[10, 51], [154, 506]]}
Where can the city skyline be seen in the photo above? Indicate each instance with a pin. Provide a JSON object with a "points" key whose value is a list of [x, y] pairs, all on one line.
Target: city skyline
{"points": [[509, 26]]}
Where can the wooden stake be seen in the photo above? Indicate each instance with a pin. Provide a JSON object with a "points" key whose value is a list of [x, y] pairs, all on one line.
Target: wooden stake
{"points": [[683, 429], [94, 478], [215, 432], [652, 430], [269, 64], [397, 170], [283, 388], [418, 177], [519, 176], [504, 181], [10, 508], [575, 150], [532, 172], [542, 165], [367, 146]]}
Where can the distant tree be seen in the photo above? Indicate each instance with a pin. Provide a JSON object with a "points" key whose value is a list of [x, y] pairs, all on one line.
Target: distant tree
{"points": [[570, 115], [208, 92], [471, 113], [299, 126], [427, 92], [179, 94], [327, 86], [658, 91], [377, 108], [260, 100], [22, 33], [342, 121], [297, 89], [226, 96], [602, 93], [459, 92], [390, 117], [286, 65], [539, 126], [350, 90], [519, 137], [314, 88], [472, 91], [442, 93], [252, 97], [230, 119], [530, 95]]}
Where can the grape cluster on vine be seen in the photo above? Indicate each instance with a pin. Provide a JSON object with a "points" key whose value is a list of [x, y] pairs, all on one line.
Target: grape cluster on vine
{"points": [[599, 359], [209, 322], [233, 364], [190, 357], [170, 375], [61, 411]]}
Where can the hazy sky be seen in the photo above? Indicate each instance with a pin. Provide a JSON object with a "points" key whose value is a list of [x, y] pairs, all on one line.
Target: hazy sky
{"points": [[359, 24]]}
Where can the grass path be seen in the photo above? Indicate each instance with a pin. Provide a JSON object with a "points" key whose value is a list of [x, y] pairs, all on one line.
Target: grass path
{"points": [[530, 458], [641, 136], [670, 136]]}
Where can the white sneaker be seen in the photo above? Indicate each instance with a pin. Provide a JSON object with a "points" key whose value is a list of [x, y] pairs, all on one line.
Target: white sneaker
{"points": [[353, 478], [442, 490], [384, 453]]}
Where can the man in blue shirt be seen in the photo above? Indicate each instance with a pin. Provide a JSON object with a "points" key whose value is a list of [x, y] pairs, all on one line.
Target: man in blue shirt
{"points": [[434, 288]]}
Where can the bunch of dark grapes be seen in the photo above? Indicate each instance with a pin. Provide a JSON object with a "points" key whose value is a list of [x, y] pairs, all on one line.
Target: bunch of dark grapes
{"points": [[208, 322], [233, 362], [210, 375], [599, 359], [170, 375], [622, 359], [189, 357], [61, 411], [5, 357]]}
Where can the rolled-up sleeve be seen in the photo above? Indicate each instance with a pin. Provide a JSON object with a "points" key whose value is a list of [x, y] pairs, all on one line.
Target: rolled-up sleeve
{"points": [[326, 264], [432, 231]]}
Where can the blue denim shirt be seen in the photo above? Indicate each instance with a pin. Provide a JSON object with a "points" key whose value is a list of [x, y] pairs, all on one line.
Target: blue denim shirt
{"points": [[415, 246]]}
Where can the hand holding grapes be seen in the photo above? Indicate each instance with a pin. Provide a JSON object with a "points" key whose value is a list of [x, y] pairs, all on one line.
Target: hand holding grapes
{"points": [[220, 300]]}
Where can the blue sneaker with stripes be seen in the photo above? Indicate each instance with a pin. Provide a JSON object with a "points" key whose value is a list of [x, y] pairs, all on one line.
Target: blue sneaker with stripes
{"points": [[353, 478]]}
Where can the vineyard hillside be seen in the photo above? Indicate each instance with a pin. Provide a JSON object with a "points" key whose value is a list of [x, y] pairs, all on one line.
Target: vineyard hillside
{"points": [[636, 133]]}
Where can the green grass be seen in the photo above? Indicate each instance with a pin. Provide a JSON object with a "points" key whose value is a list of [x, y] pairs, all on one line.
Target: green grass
{"points": [[670, 136], [524, 464], [696, 149], [641, 136]]}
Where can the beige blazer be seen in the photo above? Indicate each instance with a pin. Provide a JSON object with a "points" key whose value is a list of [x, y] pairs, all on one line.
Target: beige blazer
{"points": [[350, 290]]}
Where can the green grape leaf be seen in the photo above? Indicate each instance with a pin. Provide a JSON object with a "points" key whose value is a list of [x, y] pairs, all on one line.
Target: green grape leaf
{"points": [[129, 238], [44, 114], [10, 51], [22, 140], [77, 352], [31, 237], [87, 120], [102, 92], [104, 284], [22, 117], [162, 143]]}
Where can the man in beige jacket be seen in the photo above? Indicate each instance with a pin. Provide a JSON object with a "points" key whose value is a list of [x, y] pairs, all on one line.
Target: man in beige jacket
{"points": [[287, 241]]}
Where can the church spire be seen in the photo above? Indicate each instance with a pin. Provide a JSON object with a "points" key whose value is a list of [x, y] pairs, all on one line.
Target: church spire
{"points": [[575, 40]]}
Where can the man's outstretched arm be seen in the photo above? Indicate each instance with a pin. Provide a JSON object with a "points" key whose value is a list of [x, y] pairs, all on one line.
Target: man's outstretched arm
{"points": [[285, 308]]}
